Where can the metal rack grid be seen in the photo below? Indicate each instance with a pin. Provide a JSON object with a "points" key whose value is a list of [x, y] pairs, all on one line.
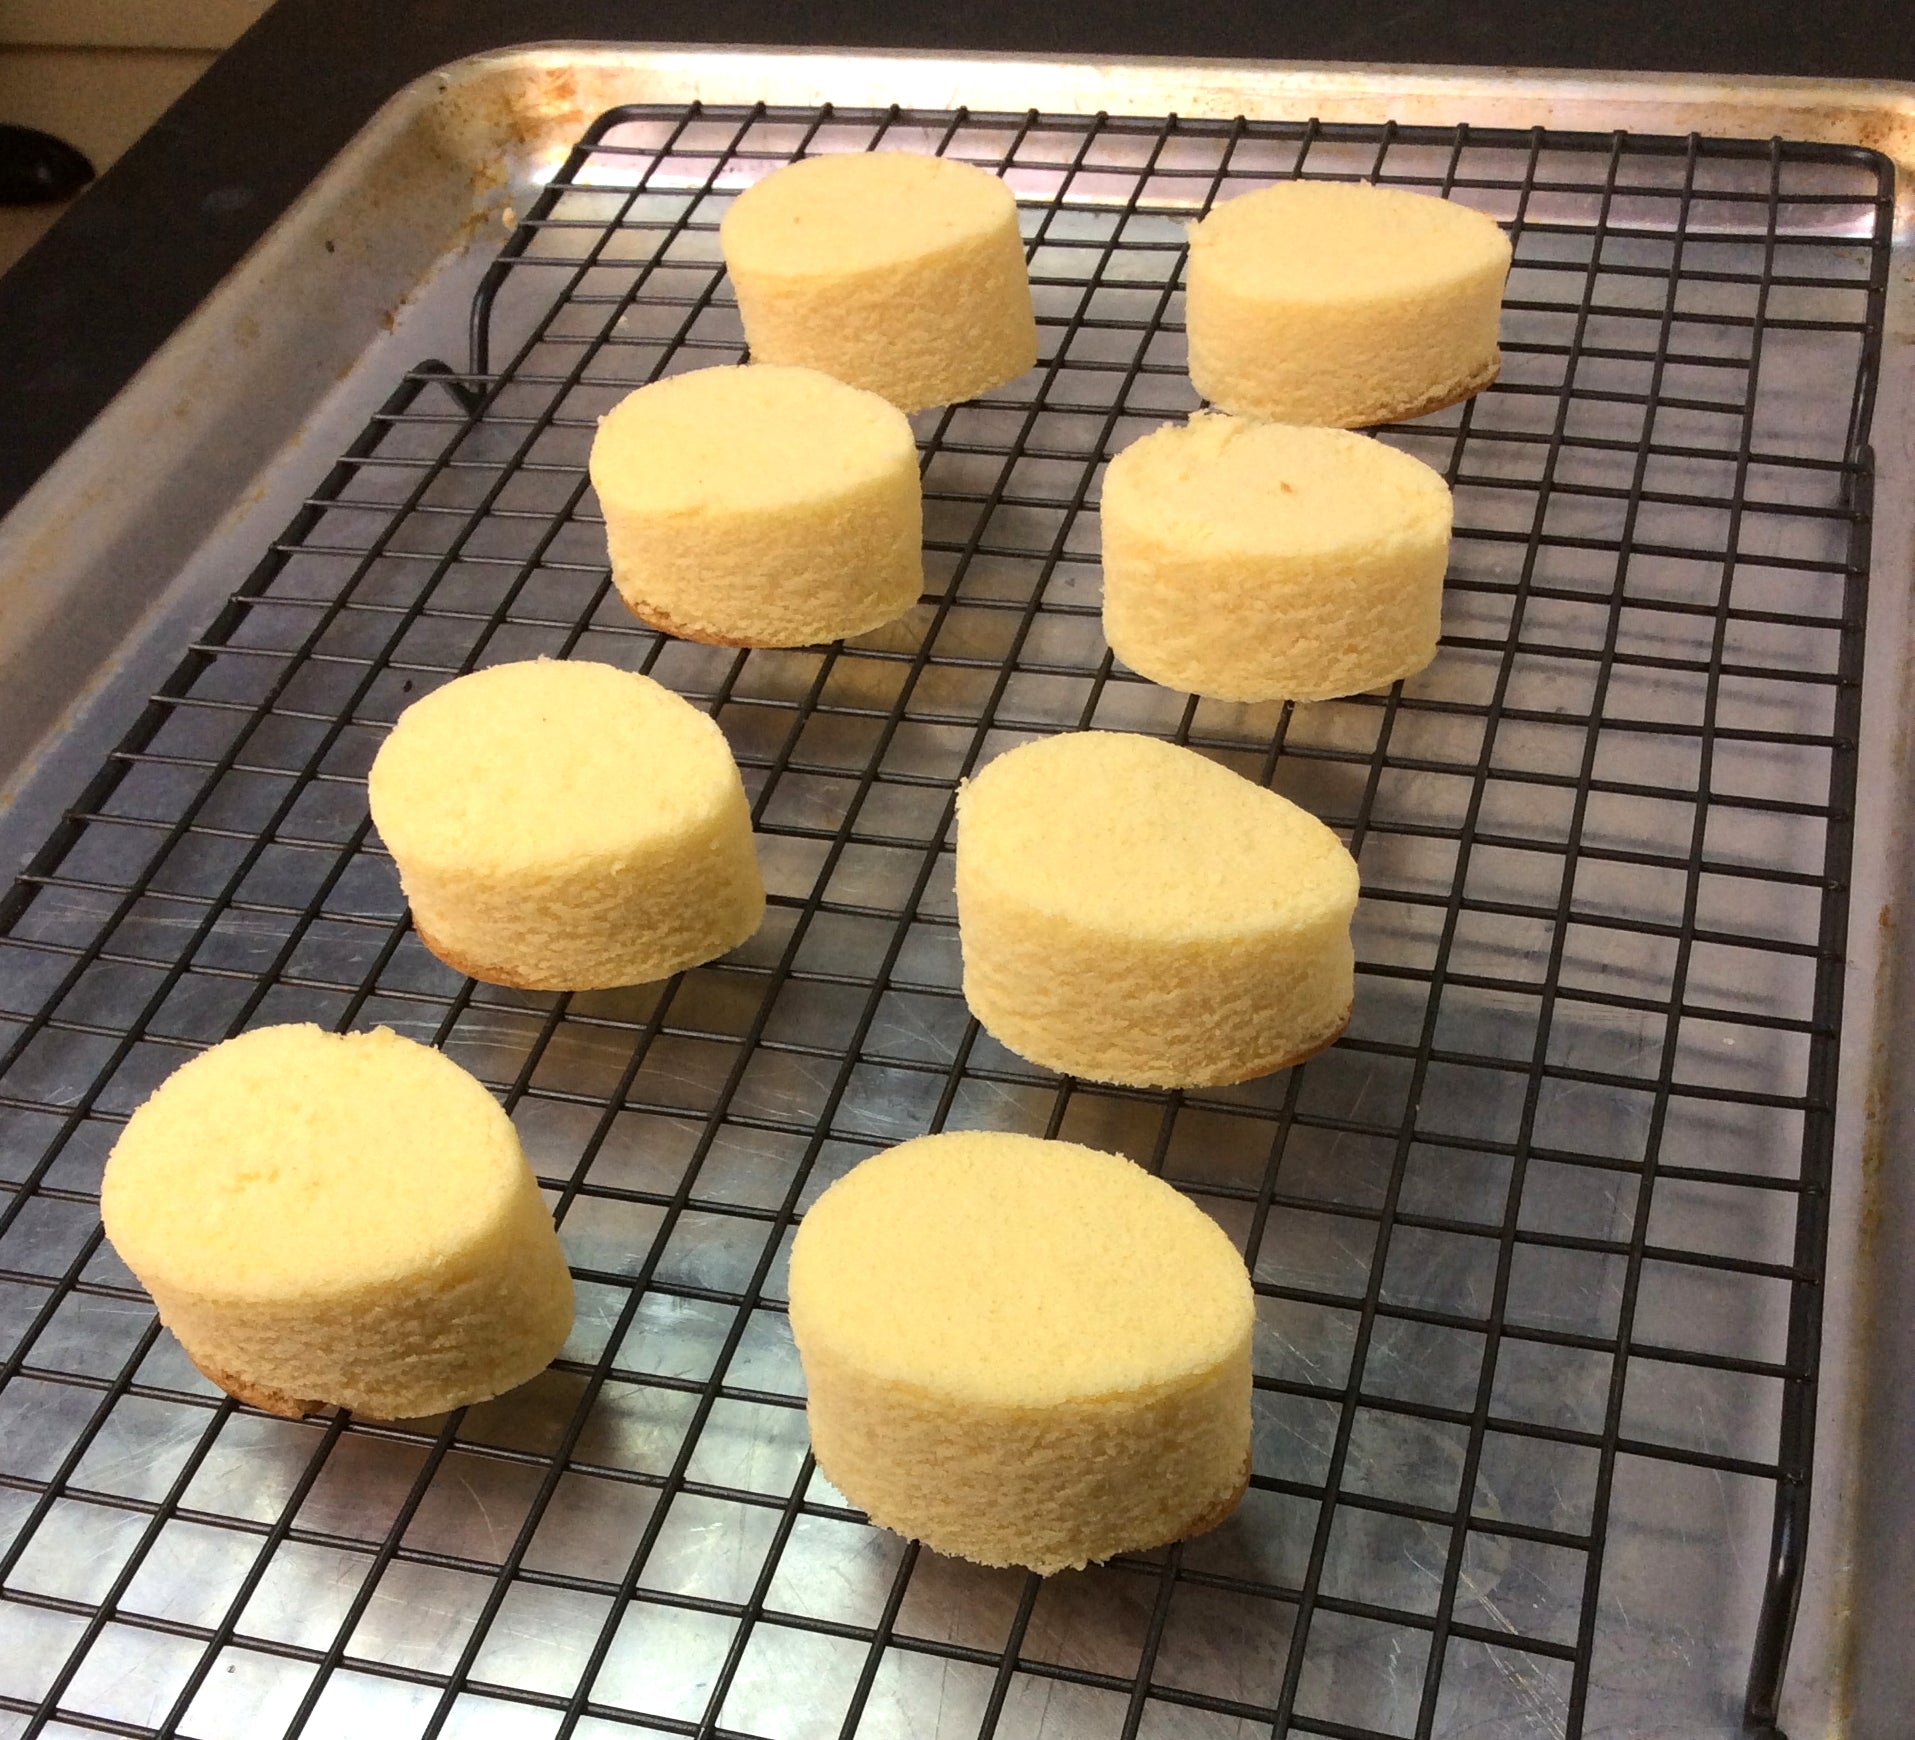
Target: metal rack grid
{"points": [[1537, 1247]]}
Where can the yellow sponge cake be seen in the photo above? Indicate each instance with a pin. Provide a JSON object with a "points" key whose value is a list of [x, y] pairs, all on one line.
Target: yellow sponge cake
{"points": [[339, 1219], [1343, 303], [1258, 561], [1023, 1352], [560, 825], [1132, 912], [899, 273], [761, 506]]}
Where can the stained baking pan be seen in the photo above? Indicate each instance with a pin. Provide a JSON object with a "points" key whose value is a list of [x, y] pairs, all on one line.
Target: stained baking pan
{"points": [[1578, 1358]]}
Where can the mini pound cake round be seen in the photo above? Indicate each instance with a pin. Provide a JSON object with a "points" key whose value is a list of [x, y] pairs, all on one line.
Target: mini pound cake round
{"points": [[1258, 562], [1023, 1352], [1130, 911], [1343, 303], [760, 506], [566, 826], [899, 273], [347, 1220]]}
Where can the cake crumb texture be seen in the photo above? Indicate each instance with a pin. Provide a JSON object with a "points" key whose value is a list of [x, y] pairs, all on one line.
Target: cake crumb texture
{"points": [[1023, 1352], [896, 272], [1131, 911], [563, 825], [761, 506], [1343, 303], [343, 1219], [1260, 561]]}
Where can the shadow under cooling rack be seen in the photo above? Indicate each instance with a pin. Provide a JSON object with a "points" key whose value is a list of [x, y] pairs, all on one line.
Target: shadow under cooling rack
{"points": [[1538, 1247]]}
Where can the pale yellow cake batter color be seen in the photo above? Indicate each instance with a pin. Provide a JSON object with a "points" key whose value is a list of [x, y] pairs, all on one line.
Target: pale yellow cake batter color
{"points": [[1131, 911], [563, 825], [1259, 561], [900, 273], [761, 506], [339, 1219], [1023, 1352], [1343, 303]]}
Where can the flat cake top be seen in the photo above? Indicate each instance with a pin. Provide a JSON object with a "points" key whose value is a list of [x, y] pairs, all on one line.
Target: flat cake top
{"points": [[1132, 834], [291, 1160], [1323, 241], [1015, 1272], [744, 439], [528, 765], [862, 211], [1222, 484]]}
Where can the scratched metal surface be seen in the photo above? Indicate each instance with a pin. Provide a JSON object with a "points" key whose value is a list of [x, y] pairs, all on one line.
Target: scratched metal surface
{"points": [[1523, 1241]]}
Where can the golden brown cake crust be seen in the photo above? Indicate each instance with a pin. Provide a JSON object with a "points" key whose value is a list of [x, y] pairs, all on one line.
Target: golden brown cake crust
{"points": [[1304, 1056], [491, 975], [1439, 398], [256, 1395], [1217, 1514], [653, 617], [483, 972], [1212, 1518], [1453, 394], [1256, 1070], [666, 623]]}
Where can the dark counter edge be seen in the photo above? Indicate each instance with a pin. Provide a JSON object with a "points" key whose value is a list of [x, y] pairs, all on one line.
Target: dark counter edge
{"points": [[138, 252]]}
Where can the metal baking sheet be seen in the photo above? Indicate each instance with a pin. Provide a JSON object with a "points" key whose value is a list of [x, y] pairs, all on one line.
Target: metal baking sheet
{"points": [[1526, 1243]]}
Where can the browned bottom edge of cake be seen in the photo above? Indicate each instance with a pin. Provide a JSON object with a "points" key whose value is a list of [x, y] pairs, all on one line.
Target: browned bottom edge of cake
{"points": [[257, 1395], [1315, 1048], [1263, 1067], [488, 974], [484, 971], [1212, 1518], [662, 620], [1453, 393], [1368, 686], [1201, 1524]]}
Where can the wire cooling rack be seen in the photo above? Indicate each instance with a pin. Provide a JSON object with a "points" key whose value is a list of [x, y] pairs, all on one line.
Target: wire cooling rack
{"points": [[1537, 1247]]}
